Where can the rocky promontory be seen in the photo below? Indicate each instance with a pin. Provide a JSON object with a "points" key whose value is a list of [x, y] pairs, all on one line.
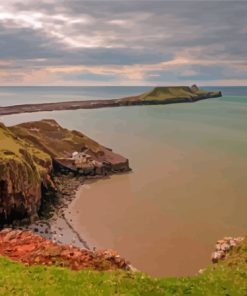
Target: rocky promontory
{"points": [[157, 96], [33, 153]]}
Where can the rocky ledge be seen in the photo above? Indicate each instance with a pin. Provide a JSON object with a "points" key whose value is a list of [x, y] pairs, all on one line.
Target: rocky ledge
{"points": [[224, 246], [31, 249], [32, 153], [157, 96]]}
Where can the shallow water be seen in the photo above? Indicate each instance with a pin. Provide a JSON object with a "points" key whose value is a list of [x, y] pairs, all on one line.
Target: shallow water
{"points": [[187, 188]]}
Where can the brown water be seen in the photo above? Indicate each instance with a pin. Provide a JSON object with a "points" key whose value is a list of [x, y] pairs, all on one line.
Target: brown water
{"points": [[166, 219]]}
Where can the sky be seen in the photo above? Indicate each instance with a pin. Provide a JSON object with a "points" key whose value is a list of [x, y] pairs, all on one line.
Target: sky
{"points": [[121, 42]]}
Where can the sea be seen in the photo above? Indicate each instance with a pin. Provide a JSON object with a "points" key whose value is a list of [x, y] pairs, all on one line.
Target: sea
{"points": [[188, 185]]}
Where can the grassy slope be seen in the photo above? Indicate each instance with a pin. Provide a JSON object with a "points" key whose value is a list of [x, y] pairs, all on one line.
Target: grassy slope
{"points": [[49, 136], [163, 93], [10, 152], [226, 278]]}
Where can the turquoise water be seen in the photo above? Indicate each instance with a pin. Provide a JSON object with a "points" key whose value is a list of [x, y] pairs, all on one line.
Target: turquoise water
{"points": [[188, 185], [44, 94]]}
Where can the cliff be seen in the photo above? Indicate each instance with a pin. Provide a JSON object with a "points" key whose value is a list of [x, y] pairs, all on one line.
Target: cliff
{"points": [[31, 153], [90, 157], [23, 168]]}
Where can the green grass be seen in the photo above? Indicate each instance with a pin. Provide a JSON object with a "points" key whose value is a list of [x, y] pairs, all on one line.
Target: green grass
{"points": [[226, 278], [19, 156], [54, 139], [173, 92]]}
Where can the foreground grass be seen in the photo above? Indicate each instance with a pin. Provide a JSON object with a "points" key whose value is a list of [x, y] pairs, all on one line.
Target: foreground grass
{"points": [[226, 278]]}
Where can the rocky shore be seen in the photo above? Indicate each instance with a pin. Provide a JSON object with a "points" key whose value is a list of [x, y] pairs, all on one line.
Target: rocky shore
{"points": [[157, 96], [224, 246], [52, 223], [32, 249]]}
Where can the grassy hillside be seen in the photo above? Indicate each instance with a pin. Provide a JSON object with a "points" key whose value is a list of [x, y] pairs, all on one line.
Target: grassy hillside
{"points": [[11, 148], [226, 278], [22, 157], [48, 136], [23, 168], [176, 92]]}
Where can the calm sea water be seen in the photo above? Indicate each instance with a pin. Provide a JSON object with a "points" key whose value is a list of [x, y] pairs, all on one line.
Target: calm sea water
{"points": [[26, 95], [188, 185]]}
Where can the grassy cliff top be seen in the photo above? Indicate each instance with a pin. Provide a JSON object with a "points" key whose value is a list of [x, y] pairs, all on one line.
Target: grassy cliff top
{"points": [[16, 152], [50, 137], [170, 92], [229, 277]]}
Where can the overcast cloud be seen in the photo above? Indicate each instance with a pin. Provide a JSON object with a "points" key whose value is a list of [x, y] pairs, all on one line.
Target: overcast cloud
{"points": [[72, 42]]}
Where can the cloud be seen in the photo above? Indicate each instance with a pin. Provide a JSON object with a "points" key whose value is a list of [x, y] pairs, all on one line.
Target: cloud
{"points": [[128, 42]]}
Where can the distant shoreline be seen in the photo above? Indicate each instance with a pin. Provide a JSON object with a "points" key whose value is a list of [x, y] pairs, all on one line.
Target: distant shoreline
{"points": [[158, 96]]}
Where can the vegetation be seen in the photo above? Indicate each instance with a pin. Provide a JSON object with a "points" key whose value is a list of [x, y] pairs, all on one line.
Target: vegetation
{"points": [[173, 92], [50, 137], [228, 277], [26, 151], [18, 154]]}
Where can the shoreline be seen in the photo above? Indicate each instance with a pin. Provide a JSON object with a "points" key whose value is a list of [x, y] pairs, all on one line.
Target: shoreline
{"points": [[59, 226], [60, 229]]}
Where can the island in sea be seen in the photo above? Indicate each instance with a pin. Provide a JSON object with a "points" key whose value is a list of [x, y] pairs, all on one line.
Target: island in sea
{"points": [[41, 166]]}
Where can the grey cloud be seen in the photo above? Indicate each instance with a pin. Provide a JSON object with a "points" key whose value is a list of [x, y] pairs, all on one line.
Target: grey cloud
{"points": [[150, 32]]}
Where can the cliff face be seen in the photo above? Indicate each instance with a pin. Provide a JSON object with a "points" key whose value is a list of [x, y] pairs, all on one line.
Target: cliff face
{"points": [[23, 168], [31, 152]]}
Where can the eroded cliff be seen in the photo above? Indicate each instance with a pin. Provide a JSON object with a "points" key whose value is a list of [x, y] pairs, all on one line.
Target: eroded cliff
{"points": [[23, 170], [31, 153]]}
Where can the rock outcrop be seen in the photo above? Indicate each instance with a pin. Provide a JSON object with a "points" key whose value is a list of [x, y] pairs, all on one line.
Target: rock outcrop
{"points": [[32, 249], [31, 153], [61, 144], [23, 170], [224, 246]]}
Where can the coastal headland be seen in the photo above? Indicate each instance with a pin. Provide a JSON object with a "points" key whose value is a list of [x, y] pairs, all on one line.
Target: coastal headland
{"points": [[157, 96], [34, 153]]}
